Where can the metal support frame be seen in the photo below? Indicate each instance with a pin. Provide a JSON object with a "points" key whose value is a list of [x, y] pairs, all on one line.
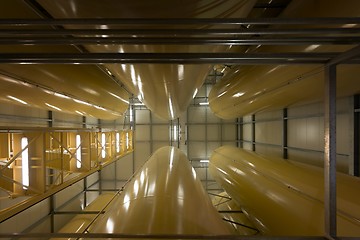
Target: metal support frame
{"points": [[285, 133], [180, 58], [241, 137], [180, 21], [356, 141], [253, 127], [330, 139], [178, 40]]}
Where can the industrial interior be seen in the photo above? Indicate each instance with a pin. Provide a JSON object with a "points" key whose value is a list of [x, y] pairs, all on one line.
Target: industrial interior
{"points": [[183, 119]]}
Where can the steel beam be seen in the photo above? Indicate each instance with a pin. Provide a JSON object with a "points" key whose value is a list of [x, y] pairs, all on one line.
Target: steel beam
{"points": [[176, 32], [183, 58], [150, 236], [356, 135], [178, 40], [180, 21], [253, 135], [285, 133], [330, 151]]}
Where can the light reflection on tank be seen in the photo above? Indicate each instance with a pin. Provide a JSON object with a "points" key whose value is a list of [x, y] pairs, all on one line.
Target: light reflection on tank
{"points": [[164, 197], [284, 198]]}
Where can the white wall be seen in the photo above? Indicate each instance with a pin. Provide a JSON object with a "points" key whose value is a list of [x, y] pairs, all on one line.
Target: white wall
{"points": [[305, 134]]}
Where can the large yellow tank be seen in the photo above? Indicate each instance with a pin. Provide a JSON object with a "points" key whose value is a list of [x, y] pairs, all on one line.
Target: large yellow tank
{"points": [[247, 90], [283, 198], [164, 197], [166, 89], [83, 90]]}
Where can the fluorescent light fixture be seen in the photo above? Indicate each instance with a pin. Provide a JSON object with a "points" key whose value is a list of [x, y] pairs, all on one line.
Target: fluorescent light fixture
{"points": [[100, 108], [108, 71], [222, 93], [131, 114], [118, 97], [78, 151], [171, 158], [195, 92], [78, 112], [239, 94], [117, 142], [127, 140], [139, 104], [17, 99], [175, 133], [204, 160], [132, 74], [103, 145], [61, 95], [52, 106], [81, 102], [171, 108], [204, 103], [25, 162]]}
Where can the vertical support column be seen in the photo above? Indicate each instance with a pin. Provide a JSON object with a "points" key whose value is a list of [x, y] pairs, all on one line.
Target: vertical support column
{"points": [[50, 119], [187, 132], [330, 151], [133, 127], [85, 191], [237, 132], [285, 133], [171, 132], [221, 131], [241, 137], [151, 134], [356, 135], [83, 122], [51, 181], [178, 132], [253, 140]]}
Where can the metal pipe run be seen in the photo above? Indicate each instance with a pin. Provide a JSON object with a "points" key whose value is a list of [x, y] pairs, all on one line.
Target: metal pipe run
{"points": [[179, 40], [184, 58], [178, 32], [181, 21]]}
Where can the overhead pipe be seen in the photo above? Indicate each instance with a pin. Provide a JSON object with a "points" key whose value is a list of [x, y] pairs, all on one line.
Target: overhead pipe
{"points": [[177, 21], [167, 88], [78, 90], [246, 90], [284, 198]]}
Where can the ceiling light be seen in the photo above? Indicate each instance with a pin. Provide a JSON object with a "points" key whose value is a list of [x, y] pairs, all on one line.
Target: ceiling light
{"points": [[52, 106], [17, 99]]}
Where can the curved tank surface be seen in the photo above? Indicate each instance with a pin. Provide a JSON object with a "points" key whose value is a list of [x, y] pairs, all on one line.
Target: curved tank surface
{"points": [[249, 89], [164, 197], [282, 198], [84, 90], [166, 89]]}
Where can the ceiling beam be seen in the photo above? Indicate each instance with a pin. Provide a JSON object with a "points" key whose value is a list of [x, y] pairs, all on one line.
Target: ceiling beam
{"points": [[179, 40], [169, 58], [181, 21]]}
